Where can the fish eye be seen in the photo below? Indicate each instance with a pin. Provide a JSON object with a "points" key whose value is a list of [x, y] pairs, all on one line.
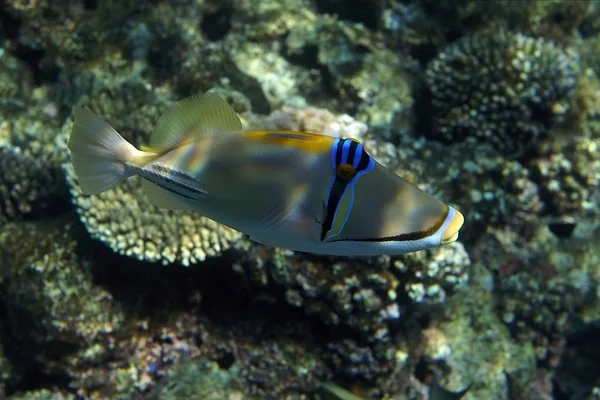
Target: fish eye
{"points": [[345, 172]]}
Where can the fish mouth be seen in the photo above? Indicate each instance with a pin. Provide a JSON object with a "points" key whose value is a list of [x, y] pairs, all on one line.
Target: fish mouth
{"points": [[450, 234]]}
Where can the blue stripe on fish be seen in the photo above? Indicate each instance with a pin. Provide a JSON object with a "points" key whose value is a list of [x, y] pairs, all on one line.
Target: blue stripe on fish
{"points": [[344, 151]]}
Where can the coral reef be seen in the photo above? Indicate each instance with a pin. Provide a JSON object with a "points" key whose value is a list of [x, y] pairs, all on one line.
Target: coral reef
{"points": [[201, 379], [494, 191], [451, 344], [510, 311], [371, 80], [47, 293], [504, 88], [17, 84], [25, 185], [427, 275], [543, 286], [365, 297], [569, 178]]}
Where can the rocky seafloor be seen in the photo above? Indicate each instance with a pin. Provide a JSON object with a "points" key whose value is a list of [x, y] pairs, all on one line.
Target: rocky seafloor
{"points": [[492, 106]]}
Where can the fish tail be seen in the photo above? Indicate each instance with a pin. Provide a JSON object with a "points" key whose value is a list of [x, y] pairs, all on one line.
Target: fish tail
{"points": [[100, 155]]}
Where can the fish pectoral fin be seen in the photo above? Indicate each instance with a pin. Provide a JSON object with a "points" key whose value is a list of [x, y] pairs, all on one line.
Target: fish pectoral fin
{"points": [[275, 216], [162, 198], [295, 226], [303, 226]]}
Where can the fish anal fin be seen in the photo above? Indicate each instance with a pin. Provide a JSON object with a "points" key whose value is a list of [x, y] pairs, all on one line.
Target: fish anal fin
{"points": [[192, 118], [162, 198]]}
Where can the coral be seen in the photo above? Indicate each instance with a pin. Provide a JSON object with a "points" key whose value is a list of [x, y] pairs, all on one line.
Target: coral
{"points": [[64, 326], [268, 19], [313, 119], [48, 293], [280, 81], [212, 65], [357, 294], [42, 394], [356, 361], [362, 296], [16, 83], [541, 288], [504, 88], [201, 379], [25, 185], [368, 79], [32, 184], [425, 26], [428, 274], [569, 178], [271, 370], [384, 91], [28, 120], [493, 190], [472, 345], [260, 322], [35, 134], [79, 81], [51, 37], [123, 218], [191, 355]]}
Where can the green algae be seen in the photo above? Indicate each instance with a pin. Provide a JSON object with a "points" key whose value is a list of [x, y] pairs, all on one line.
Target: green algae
{"points": [[201, 379]]}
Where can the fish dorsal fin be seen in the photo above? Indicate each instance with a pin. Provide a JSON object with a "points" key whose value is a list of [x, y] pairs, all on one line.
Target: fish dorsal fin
{"points": [[193, 117]]}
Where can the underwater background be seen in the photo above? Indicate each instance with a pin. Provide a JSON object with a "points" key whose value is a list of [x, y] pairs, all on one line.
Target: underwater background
{"points": [[492, 106]]}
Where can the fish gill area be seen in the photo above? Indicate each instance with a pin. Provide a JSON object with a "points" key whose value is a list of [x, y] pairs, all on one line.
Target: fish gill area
{"points": [[492, 106]]}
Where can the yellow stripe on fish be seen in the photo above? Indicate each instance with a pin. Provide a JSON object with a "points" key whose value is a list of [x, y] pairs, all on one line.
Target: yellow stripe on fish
{"points": [[297, 190], [311, 142]]}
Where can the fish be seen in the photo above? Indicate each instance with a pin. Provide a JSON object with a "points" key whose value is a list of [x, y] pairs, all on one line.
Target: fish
{"points": [[300, 191], [332, 391]]}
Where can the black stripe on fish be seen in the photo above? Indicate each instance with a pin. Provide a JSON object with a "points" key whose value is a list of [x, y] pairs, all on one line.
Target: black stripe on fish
{"points": [[405, 237], [339, 186], [352, 152], [166, 178], [335, 195], [338, 152], [365, 160], [168, 189]]}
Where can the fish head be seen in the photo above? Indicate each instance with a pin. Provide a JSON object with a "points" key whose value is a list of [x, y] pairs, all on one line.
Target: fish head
{"points": [[369, 205]]}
